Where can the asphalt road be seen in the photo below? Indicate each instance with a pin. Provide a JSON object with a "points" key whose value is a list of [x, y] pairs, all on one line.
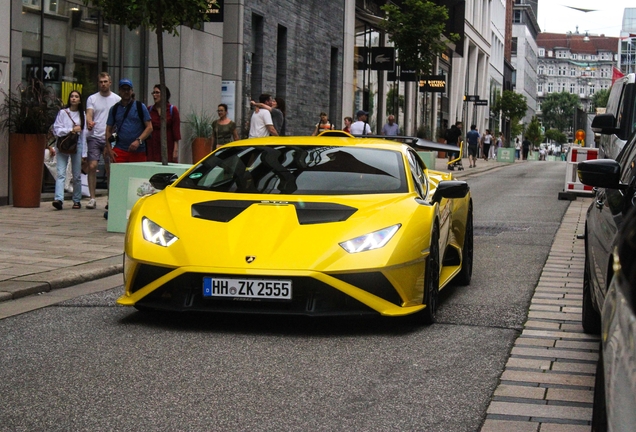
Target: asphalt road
{"points": [[89, 365]]}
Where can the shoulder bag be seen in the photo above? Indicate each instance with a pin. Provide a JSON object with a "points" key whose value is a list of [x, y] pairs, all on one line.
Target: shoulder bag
{"points": [[67, 144]]}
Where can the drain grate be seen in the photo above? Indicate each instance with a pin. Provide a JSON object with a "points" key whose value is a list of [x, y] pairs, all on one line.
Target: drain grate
{"points": [[496, 229]]}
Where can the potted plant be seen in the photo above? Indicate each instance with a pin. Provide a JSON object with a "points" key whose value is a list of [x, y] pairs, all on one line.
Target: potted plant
{"points": [[27, 115], [200, 134]]}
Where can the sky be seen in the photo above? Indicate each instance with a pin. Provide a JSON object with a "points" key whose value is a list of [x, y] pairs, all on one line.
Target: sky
{"points": [[607, 19]]}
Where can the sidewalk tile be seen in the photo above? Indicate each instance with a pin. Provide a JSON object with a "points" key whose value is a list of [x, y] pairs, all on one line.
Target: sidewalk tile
{"points": [[560, 394], [491, 425], [543, 411]]}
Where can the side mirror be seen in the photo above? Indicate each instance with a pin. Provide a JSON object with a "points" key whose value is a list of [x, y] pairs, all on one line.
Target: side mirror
{"points": [[605, 124], [450, 189], [162, 180], [604, 173]]}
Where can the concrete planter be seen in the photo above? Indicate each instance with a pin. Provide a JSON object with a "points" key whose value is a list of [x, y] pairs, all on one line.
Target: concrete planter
{"points": [[428, 158], [505, 154], [27, 160]]}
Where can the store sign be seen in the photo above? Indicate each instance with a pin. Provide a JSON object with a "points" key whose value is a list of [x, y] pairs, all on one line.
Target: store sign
{"points": [[481, 102], [408, 74], [433, 84], [215, 12], [52, 71], [471, 98], [360, 58], [382, 58]]}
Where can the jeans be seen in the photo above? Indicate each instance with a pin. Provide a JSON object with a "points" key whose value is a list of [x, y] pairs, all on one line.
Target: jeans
{"points": [[76, 166]]}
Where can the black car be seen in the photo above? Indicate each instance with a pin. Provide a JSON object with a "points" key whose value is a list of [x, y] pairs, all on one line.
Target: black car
{"points": [[615, 389], [615, 181]]}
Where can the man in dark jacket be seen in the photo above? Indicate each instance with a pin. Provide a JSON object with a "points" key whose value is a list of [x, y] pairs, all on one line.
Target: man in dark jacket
{"points": [[452, 138]]}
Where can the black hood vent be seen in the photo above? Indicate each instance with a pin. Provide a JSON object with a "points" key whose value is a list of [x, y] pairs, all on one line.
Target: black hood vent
{"points": [[307, 213]]}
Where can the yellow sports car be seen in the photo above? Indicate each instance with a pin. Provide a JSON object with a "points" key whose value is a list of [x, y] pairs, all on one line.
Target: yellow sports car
{"points": [[326, 225]]}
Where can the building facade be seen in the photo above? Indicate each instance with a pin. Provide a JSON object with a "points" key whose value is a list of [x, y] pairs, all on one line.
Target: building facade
{"points": [[524, 53]]}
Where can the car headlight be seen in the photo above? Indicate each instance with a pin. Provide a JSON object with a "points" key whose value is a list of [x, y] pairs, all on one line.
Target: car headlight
{"points": [[374, 240], [155, 234]]}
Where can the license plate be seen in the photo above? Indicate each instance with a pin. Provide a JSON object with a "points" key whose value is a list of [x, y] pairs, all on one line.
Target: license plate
{"points": [[247, 288]]}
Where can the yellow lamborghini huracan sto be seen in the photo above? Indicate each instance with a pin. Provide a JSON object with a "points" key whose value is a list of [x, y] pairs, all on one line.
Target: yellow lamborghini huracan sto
{"points": [[326, 225]]}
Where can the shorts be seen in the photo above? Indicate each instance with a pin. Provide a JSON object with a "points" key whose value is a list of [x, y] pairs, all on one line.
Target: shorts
{"points": [[472, 150], [126, 156], [95, 148]]}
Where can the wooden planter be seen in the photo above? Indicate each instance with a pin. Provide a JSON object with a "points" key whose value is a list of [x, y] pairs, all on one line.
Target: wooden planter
{"points": [[201, 147], [27, 159]]}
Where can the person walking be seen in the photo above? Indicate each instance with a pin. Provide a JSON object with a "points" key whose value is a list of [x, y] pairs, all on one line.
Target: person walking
{"points": [[347, 124], [97, 107], [173, 128], [70, 120], [127, 128], [517, 148], [452, 138], [361, 127], [261, 124], [473, 139], [486, 141], [391, 128], [278, 112], [323, 125], [525, 146], [499, 143], [224, 130]]}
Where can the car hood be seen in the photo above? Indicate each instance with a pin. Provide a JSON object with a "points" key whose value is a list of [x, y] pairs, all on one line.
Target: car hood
{"points": [[303, 232]]}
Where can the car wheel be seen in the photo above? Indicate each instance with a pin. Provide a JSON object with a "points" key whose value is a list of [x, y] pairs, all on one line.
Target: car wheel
{"points": [[599, 410], [466, 273], [431, 280], [590, 318]]}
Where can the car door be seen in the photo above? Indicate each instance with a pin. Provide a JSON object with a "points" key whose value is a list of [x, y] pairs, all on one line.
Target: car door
{"points": [[605, 218]]}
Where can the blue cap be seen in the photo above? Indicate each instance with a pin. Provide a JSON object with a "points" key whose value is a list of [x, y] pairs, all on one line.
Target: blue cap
{"points": [[125, 82]]}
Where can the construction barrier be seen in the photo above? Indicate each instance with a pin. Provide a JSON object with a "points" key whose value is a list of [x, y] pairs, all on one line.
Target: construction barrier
{"points": [[575, 155]]}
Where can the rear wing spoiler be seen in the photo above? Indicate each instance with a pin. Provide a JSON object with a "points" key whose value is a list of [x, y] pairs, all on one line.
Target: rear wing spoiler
{"points": [[414, 142]]}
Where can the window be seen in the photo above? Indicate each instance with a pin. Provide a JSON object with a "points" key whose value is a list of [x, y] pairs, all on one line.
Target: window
{"points": [[572, 72], [513, 49], [540, 87], [574, 56], [541, 70], [541, 52], [516, 18], [550, 87], [591, 89], [572, 88], [550, 70]]}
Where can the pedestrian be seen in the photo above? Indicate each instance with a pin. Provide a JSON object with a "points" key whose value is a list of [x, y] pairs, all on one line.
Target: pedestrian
{"points": [[347, 123], [127, 128], [173, 128], [517, 149], [224, 130], [486, 141], [391, 128], [499, 143], [525, 145], [97, 107], [323, 125], [452, 138], [278, 112], [70, 120], [361, 127], [473, 139], [261, 124]]}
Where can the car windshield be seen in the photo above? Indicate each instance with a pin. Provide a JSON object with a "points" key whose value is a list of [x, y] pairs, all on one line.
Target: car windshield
{"points": [[300, 170]]}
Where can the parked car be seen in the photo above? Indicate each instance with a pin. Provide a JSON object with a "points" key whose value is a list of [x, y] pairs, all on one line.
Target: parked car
{"points": [[615, 389], [326, 225], [619, 119], [615, 181]]}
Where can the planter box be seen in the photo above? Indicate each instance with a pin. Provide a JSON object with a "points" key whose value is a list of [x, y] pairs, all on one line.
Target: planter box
{"points": [[551, 158], [429, 158], [129, 182], [506, 154], [534, 156]]}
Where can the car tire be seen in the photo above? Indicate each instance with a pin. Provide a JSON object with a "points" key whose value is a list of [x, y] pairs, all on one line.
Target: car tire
{"points": [[431, 280], [590, 318], [465, 274], [599, 410]]}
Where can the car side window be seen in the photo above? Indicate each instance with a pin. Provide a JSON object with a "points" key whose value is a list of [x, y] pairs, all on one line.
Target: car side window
{"points": [[418, 174], [627, 160]]}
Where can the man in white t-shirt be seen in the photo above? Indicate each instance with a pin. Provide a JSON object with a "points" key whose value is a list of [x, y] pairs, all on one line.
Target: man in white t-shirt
{"points": [[361, 127], [261, 124], [97, 107]]}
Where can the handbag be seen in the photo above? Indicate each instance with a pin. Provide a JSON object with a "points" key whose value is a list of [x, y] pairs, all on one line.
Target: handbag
{"points": [[67, 144]]}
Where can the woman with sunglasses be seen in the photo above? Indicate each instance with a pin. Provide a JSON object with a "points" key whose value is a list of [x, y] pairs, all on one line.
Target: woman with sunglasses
{"points": [[173, 128]]}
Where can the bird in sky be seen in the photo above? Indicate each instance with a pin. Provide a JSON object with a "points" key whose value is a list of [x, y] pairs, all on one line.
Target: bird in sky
{"points": [[581, 9]]}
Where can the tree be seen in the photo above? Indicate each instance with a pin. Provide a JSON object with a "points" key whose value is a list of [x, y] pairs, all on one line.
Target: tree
{"points": [[558, 110], [555, 135], [160, 16], [510, 104], [394, 100], [533, 132], [416, 32], [600, 98]]}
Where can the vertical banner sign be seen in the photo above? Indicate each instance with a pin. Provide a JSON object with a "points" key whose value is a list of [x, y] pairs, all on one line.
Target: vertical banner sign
{"points": [[215, 13], [408, 74], [360, 58], [433, 84], [382, 58]]}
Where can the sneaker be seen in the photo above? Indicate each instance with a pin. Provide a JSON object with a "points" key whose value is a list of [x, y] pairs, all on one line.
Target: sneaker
{"points": [[58, 204], [91, 204], [77, 205]]}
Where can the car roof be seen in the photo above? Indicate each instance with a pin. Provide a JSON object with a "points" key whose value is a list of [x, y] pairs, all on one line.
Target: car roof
{"points": [[331, 141]]}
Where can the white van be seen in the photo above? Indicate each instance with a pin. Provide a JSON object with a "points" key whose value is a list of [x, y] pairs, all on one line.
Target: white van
{"points": [[619, 120]]}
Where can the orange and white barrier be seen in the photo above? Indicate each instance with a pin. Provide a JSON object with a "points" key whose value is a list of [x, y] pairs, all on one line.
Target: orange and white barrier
{"points": [[575, 155]]}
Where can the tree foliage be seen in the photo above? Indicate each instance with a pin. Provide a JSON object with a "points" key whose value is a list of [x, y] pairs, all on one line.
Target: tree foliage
{"points": [[160, 16], [600, 98], [416, 31], [533, 132], [394, 97], [558, 110], [510, 104], [557, 136]]}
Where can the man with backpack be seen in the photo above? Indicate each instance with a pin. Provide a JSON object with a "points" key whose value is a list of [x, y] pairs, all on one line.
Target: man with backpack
{"points": [[127, 127]]}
